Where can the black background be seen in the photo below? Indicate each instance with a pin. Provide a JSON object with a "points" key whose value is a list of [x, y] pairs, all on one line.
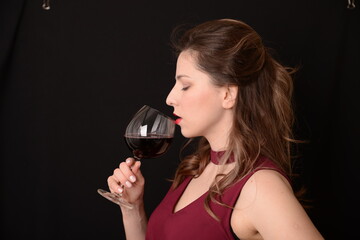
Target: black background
{"points": [[72, 77]]}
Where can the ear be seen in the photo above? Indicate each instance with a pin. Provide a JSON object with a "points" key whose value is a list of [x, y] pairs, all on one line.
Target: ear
{"points": [[230, 96]]}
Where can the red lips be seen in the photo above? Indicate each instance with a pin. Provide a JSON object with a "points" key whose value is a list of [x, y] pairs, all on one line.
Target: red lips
{"points": [[178, 120]]}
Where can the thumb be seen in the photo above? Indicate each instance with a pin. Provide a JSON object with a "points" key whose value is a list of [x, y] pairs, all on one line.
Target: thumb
{"points": [[136, 167]]}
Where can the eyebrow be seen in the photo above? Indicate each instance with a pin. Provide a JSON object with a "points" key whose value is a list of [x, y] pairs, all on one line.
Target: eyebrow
{"points": [[181, 76]]}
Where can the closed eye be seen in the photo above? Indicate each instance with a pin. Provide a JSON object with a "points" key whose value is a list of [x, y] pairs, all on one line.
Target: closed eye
{"points": [[185, 88]]}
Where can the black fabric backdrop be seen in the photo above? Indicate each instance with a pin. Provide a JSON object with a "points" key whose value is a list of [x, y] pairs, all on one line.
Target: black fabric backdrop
{"points": [[72, 77]]}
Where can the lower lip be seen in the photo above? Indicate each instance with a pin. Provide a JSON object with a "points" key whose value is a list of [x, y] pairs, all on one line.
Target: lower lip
{"points": [[177, 121]]}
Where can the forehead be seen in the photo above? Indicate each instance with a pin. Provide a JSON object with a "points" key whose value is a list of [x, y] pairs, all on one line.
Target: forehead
{"points": [[186, 60], [187, 65], [187, 71]]}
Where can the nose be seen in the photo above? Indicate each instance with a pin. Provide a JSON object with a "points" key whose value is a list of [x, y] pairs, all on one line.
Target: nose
{"points": [[170, 99]]}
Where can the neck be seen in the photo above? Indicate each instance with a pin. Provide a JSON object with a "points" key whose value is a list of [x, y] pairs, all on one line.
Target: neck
{"points": [[218, 143], [218, 135]]}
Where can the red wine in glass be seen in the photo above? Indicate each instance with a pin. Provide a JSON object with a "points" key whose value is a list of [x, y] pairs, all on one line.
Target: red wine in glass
{"points": [[151, 146], [149, 134]]}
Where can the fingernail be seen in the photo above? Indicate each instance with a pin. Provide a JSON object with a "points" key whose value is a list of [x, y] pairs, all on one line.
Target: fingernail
{"points": [[132, 178], [120, 190], [128, 184], [128, 160]]}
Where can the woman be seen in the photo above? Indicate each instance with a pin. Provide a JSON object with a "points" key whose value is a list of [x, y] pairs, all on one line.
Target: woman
{"points": [[233, 95]]}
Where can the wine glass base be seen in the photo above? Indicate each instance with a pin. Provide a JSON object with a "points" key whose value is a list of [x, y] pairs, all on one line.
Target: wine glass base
{"points": [[115, 198]]}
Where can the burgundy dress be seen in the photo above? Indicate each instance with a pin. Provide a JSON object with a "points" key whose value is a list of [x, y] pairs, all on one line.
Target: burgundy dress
{"points": [[193, 221]]}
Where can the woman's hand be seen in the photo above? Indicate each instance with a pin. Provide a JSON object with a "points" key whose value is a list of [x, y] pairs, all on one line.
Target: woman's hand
{"points": [[128, 181]]}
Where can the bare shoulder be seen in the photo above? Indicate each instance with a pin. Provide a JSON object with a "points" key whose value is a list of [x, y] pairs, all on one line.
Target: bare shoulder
{"points": [[268, 206], [261, 186], [267, 181]]}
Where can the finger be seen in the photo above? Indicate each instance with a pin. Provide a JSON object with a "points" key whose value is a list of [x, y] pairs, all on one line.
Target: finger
{"points": [[136, 167], [114, 185], [137, 171], [129, 175], [130, 161], [119, 176]]}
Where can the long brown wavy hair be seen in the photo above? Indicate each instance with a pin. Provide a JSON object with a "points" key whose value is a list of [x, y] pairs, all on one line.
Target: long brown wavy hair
{"points": [[232, 53]]}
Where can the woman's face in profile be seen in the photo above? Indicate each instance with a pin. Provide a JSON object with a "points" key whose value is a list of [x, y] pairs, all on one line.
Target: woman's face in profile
{"points": [[196, 100]]}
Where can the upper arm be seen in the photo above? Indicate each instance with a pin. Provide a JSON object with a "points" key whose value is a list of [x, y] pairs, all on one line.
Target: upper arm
{"points": [[268, 204]]}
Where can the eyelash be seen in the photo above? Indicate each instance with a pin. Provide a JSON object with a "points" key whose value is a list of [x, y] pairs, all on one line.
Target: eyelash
{"points": [[185, 88]]}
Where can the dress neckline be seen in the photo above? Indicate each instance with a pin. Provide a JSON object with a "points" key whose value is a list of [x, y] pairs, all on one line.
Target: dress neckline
{"points": [[215, 157]]}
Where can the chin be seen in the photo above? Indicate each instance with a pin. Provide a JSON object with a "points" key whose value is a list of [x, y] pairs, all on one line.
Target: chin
{"points": [[187, 134]]}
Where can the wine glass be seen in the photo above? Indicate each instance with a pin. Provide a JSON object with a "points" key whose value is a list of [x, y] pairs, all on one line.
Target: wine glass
{"points": [[148, 135]]}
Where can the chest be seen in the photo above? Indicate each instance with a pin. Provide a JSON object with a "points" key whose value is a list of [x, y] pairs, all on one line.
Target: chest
{"points": [[190, 221], [181, 214], [200, 185]]}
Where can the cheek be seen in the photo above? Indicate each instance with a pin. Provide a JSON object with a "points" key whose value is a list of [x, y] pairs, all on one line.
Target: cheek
{"points": [[202, 107], [200, 99]]}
